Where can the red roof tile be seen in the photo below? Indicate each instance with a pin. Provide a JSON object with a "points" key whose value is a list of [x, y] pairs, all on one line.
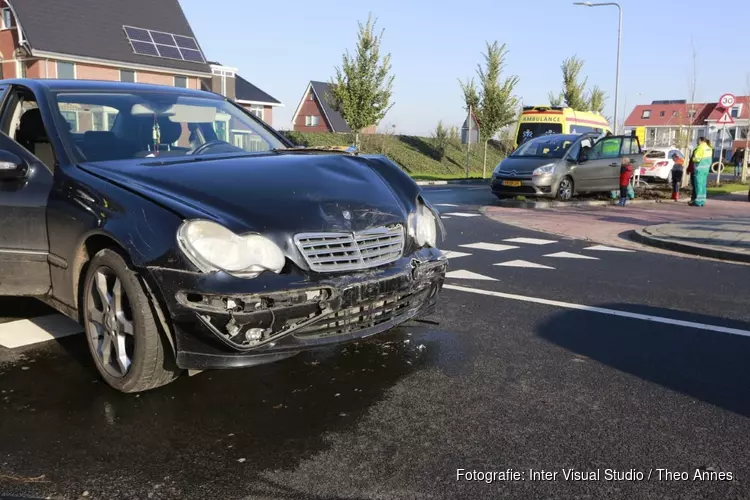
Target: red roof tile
{"points": [[744, 111], [673, 114]]}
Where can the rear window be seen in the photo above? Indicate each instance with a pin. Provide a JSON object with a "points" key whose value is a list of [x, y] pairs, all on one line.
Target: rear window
{"points": [[656, 154], [531, 130]]}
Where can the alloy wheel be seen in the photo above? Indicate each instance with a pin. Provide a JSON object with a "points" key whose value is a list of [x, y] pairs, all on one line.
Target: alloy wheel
{"points": [[110, 322], [565, 190]]}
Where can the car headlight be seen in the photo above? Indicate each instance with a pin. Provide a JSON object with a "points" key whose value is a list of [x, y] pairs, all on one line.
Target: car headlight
{"points": [[423, 226], [544, 169], [212, 247]]}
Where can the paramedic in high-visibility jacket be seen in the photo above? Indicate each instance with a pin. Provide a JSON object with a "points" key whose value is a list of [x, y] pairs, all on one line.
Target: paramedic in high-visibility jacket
{"points": [[702, 157]]}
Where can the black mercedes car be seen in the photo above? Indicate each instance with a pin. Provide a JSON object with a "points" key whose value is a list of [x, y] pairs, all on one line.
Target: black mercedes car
{"points": [[186, 234]]}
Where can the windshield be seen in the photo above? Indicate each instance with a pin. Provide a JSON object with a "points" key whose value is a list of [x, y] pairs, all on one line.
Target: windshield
{"points": [[120, 126], [531, 130], [545, 147]]}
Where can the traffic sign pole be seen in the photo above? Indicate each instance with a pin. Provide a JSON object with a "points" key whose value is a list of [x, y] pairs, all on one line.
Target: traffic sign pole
{"points": [[721, 157]]}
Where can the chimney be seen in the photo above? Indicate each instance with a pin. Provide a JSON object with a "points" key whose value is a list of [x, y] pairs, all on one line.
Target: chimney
{"points": [[223, 80]]}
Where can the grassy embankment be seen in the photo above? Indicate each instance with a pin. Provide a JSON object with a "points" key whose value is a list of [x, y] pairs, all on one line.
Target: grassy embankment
{"points": [[419, 156]]}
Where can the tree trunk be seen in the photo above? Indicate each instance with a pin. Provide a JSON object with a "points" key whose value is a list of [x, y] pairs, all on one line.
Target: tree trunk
{"points": [[747, 153], [356, 139], [484, 167]]}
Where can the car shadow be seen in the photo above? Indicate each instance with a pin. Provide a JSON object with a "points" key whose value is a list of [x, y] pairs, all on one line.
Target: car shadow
{"points": [[706, 365], [221, 428]]}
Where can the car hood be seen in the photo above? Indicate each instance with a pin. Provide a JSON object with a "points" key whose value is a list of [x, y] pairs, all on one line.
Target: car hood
{"points": [[293, 193], [522, 166]]}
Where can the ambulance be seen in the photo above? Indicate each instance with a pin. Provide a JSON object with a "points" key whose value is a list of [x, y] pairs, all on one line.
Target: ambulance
{"points": [[541, 120]]}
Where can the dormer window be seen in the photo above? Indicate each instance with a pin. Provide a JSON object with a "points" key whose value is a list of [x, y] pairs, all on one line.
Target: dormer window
{"points": [[646, 114], [735, 111]]}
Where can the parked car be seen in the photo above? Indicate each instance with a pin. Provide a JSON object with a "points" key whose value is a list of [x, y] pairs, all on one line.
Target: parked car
{"points": [[658, 163], [128, 208], [562, 165]]}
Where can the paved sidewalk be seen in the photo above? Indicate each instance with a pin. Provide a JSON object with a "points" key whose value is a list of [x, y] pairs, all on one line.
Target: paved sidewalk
{"points": [[613, 225], [727, 239]]}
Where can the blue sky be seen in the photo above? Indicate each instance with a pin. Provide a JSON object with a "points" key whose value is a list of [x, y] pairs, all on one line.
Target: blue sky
{"points": [[281, 46]]}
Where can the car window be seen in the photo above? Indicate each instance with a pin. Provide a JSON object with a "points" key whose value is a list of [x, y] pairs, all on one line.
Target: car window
{"points": [[629, 146], [108, 126], [655, 154], [609, 147]]}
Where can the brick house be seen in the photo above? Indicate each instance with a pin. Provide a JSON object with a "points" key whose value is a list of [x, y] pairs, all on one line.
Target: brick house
{"points": [[143, 41], [315, 113], [663, 121]]}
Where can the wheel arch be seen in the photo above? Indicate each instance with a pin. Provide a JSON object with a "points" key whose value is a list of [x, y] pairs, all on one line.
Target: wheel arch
{"points": [[91, 244]]}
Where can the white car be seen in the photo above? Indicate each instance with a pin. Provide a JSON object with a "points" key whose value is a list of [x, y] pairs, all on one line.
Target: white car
{"points": [[658, 163]]}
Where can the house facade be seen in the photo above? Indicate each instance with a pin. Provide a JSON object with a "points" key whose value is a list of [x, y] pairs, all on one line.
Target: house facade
{"points": [[315, 113], [667, 123], [142, 41]]}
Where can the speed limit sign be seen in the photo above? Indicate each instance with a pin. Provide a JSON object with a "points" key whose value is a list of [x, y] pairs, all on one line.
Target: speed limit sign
{"points": [[726, 101]]}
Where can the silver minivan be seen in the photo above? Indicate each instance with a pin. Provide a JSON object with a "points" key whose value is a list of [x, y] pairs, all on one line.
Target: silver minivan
{"points": [[562, 165]]}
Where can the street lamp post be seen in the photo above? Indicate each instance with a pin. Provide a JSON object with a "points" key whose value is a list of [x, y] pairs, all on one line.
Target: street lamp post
{"points": [[619, 38]]}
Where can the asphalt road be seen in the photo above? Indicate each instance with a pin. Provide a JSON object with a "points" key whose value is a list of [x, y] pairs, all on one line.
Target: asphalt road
{"points": [[632, 362]]}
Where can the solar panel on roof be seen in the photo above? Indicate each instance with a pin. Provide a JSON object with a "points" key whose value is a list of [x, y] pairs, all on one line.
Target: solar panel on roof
{"points": [[160, 44], [163, 38], [192, 55], [169, 52], [185, 42], [137, 34], [144, 48]]}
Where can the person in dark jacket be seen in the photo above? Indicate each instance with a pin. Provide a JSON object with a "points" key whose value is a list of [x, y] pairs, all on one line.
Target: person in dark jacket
{"points": [[737, 158], [677, 172], [626, 173]]}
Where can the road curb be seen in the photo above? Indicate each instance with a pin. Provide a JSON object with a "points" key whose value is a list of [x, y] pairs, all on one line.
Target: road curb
{"points": [[644, 237], [559, 204], [457, 181]]}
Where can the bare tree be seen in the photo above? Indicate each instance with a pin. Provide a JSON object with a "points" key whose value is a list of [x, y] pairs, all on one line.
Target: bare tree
{"points": [[691, 107]]}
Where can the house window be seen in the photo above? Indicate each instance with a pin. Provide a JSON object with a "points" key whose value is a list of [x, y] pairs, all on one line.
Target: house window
{"points": [[311, 121], [661, 113], [66, 70], [72, 118], [257, 111], [674, 113], [311, 97], [691, 113], [646, 114], [180, 81], [735, 112], [221, 130], [127, 76], [7, 18]]}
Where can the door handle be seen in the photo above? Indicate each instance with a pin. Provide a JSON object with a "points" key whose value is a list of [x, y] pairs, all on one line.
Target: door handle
{"points": [[614, 164]]}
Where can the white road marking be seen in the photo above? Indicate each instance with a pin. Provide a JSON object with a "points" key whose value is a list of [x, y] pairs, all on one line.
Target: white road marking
{"points": [[524, 263], [605, 248], [489, 246], [35, 330], [568, 255], [446, 205], [454, 255], [444, 217], [461, 214], [602, 310], [530, 241], [467, 275]]}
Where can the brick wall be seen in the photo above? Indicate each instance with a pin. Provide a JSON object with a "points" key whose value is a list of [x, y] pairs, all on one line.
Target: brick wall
{"points": [[310, 108]]}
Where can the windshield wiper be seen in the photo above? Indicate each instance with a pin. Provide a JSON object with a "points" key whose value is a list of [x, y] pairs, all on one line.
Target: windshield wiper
{"points": [[317, 149]]}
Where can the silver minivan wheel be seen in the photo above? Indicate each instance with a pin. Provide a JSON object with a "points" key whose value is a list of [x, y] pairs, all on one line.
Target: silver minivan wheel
{"points": [[565, 189]]}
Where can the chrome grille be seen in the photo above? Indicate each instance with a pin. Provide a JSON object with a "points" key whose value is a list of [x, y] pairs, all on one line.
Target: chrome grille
{"points": [[331, 252]]}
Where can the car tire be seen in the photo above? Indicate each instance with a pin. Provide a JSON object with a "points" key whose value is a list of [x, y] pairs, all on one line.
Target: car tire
{"points": [[129, 349], [565, 189]]}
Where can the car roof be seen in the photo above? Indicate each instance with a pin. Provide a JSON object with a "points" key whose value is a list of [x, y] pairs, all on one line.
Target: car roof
{"points": [[55, 85]]}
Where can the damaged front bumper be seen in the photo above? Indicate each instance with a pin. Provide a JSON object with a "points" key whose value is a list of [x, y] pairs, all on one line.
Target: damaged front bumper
{"points": [[220, 321]]}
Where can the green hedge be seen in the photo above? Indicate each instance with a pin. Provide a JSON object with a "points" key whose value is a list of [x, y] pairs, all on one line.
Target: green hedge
{"points": [[418, 156]]}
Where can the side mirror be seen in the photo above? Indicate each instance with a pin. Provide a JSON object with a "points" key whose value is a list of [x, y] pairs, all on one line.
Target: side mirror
{"points": [[12, 168]]}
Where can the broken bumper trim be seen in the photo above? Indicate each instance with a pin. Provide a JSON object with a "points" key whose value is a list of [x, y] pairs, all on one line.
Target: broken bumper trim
{"points": [[217, 325]]}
